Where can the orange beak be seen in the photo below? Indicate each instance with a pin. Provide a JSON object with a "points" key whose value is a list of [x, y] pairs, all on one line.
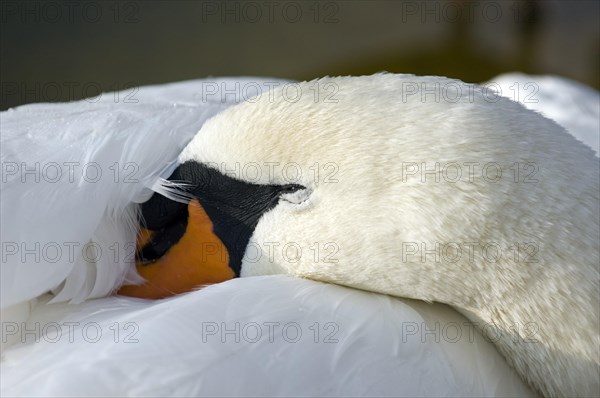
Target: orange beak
{"points": [[191, 245], [199, 258]]}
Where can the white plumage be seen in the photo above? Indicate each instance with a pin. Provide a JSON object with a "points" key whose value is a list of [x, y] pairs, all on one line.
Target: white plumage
{"points": [[376, 354], [326, 340], [573, 105]]}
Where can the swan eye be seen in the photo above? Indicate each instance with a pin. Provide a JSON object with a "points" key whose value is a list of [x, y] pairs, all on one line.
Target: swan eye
{"points": [[290, 188]]}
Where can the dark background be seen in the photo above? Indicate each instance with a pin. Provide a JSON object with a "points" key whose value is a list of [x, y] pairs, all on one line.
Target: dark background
{"points": [[66, 50]]}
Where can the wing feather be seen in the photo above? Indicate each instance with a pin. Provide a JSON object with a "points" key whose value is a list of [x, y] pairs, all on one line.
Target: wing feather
{"points": [[72, 174], [326, 340]]}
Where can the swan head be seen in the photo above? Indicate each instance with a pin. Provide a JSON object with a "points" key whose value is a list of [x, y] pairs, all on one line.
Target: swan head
{"points": [[316, 179], [308, 180]]}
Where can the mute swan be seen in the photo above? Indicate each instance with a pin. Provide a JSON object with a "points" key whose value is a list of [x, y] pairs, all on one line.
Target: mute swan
{"points": [[135, 365]]}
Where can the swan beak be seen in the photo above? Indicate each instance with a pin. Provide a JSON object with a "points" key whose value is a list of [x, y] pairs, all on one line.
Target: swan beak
{"points": [[177, 271], [185, 246]]}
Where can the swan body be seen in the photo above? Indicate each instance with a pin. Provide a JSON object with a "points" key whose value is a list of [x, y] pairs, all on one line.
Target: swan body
{"points": [[573, 105], [405, 215], [294, 337]]}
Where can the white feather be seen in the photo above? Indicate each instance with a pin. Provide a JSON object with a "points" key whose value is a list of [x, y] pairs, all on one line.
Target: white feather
{"points": [[571, 104], [351, 343], [173, 190]]}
